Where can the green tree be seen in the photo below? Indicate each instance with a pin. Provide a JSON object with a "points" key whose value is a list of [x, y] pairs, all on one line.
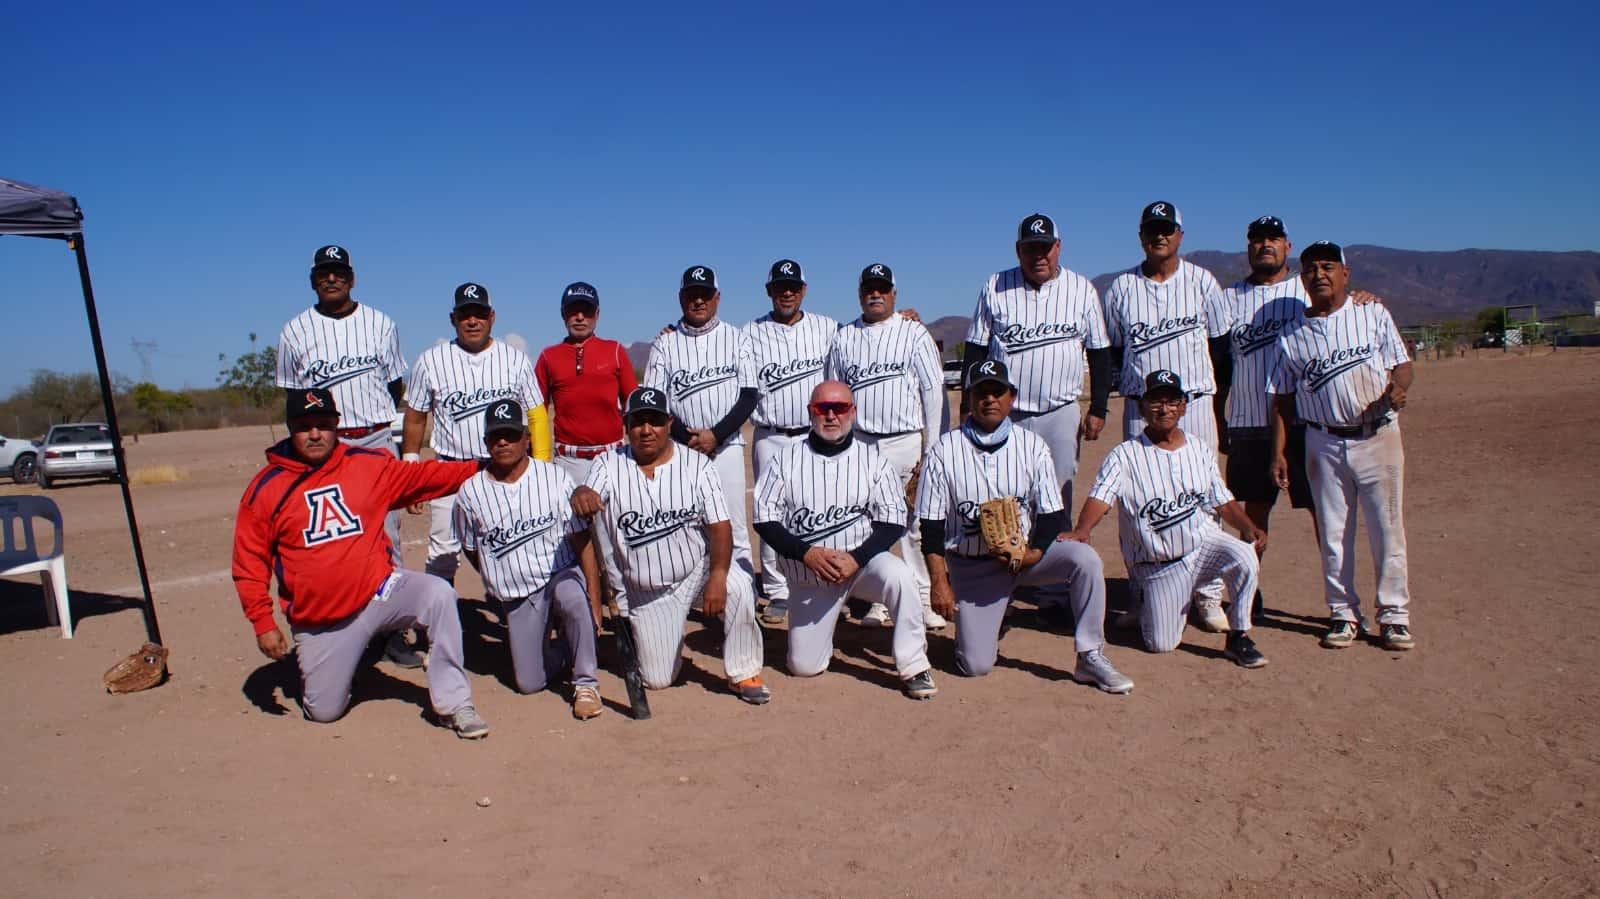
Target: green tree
{"points": [[65, 397], [252, 376], [161, 407], [1491, 319]]}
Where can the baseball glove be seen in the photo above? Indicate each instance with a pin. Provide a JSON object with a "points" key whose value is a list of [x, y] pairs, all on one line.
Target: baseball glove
{"points": [[1000, 521], [139, 671]]}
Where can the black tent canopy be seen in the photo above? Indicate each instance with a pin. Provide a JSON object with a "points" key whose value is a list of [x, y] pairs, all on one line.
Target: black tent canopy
{"points": [[32, 211]]}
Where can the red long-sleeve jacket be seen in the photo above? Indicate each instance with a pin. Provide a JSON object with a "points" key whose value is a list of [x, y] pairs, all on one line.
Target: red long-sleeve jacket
{"points": [[320, 530]]}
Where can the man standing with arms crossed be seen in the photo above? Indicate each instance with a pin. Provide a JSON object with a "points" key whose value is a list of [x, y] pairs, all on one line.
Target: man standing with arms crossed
{"points": [[703, 367], [891, 366], [788, 348], [831, 507], [1343, 369], [353, 351], [586, 378], [457, 382]]}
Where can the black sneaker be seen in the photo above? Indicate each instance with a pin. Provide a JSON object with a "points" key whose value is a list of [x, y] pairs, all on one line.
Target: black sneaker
{"points": [[1340, 635], [921, 686], [1396, 637], [1243, 651]]}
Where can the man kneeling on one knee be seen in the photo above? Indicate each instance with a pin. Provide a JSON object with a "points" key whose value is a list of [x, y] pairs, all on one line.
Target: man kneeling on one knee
{"points": [[985, 459], [1166, 489]]}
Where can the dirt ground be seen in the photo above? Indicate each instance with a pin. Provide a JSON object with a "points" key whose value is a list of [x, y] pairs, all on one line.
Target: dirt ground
{"points": [[1467, 767]]}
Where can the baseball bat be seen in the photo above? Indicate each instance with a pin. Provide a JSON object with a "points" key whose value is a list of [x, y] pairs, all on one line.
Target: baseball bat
{"points": [[638, 702]]}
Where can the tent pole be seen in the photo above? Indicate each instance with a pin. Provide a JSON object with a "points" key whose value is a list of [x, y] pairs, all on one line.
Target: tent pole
{"points": [[151, 628]]}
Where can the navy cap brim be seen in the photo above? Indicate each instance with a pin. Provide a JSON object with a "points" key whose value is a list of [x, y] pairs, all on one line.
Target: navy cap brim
{"points": [[1038, 238]]}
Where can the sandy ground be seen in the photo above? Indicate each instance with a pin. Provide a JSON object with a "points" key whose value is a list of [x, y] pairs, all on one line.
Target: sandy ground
{"points": [[1467, 767]]}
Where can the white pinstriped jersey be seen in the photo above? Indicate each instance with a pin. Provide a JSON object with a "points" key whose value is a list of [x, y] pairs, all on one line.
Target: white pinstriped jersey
{"points": [[1040, 334], [1164, 498], [1338, 366], [788, 361], [888, 366], [355, 357], [828, 501], [657, 525], [1254, 315], [701, 374], [519, 530], [958, 478], [457, 386], [1164, 325]]}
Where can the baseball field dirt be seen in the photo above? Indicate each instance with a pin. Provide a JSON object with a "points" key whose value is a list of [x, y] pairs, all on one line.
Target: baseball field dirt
{"points": [[1465, 768]]}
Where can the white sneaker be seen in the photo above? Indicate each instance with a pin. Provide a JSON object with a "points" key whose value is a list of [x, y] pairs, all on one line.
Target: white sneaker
{"points": [[877, 616], [1209, 617], [933, 621]]}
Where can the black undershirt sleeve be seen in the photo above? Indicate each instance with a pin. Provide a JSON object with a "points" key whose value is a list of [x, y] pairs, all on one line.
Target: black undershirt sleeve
{"points": [[680, 432], [397, 389], [932, 536], [735, 419], [1222, 363], [882, 537], [1099, 381], [785, 544], [1046, 529]]}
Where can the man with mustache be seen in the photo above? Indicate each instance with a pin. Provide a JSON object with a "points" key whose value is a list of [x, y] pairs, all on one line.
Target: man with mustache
{"points": [[664, 520], [517, 527], [988, 458], [830, 507]]}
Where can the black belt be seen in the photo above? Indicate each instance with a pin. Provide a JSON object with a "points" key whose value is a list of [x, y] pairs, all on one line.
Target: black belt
{"points": [[1022, 415], [787, 432], [443, 458], [887, 436], [1359, 431]]}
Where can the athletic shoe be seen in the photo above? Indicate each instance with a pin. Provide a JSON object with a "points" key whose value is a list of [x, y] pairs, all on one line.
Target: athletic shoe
{"points": [[776, 611], [921, 686], [402, 653], [1243, 651], [1094, 668], [877, 616], [1340, 635], [468, 724], [932, 621], [751, 690], [1397, 637], [1209, 617], [586, 702]]}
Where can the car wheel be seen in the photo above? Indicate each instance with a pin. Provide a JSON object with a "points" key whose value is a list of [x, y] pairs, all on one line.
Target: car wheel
{"points": [[23, 469], [42, 479]]}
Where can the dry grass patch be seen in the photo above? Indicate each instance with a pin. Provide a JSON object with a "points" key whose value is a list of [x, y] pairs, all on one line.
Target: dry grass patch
{"points": [[157, 474]]}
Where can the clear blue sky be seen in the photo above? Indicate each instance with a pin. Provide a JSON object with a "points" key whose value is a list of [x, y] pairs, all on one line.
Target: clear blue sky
{"points": [[213, 149]]}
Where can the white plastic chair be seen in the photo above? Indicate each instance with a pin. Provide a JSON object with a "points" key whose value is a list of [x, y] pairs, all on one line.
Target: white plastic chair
{"points": [[22, 510]]}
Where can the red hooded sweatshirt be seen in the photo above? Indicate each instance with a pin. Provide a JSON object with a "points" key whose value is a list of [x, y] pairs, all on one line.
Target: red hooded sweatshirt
{"points": [[320, 530]]}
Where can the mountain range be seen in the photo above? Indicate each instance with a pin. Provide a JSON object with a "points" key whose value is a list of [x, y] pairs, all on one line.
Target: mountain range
{"points": [[1419, 287]]}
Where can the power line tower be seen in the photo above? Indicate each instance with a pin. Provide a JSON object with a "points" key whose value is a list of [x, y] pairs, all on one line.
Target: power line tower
{"points": [[145, 349]]}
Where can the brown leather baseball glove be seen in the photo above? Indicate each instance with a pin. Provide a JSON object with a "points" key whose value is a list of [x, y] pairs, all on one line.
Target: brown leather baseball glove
{"points": [[1000, 521], [911, 489], [139, 671]]}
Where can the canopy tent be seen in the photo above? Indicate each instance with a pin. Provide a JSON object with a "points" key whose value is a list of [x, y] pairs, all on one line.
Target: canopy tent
{"points": [[41, 212]]}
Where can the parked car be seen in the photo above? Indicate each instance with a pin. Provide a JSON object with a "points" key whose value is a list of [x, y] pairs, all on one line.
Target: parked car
{"points": [[19, 458], [81, 450], [952, 374]]}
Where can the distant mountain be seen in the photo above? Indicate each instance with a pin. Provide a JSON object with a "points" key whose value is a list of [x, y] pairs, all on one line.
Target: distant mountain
{"points": [[1418, 287]]}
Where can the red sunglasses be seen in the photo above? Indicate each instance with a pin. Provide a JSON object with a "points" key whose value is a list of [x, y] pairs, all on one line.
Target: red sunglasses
{"points": [[831, 408]]}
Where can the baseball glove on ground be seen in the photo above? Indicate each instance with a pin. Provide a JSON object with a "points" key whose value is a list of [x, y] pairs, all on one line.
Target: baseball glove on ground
{"points": [[139, 671], [1000, 521]]}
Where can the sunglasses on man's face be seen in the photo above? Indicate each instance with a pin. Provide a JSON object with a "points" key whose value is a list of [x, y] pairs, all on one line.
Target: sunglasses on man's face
{"points": [[831, 408]]}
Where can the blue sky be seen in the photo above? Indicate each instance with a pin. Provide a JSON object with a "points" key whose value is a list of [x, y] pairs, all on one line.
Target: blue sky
{"points": [[213, 150]]}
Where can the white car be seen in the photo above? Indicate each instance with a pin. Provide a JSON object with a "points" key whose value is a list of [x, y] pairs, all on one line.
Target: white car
{"points": [[19, 458], [80, 450]]}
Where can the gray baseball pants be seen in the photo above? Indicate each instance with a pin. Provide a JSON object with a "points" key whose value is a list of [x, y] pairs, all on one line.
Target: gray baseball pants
{"points": [[528, 622], [983, 589], [328, 655], [814, 612]]}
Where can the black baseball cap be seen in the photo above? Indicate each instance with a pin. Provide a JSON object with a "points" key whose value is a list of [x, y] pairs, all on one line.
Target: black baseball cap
{"points": [[1161, 211], [1038, 228], [699, 276], [1266, 226], [988, 370], [645, 399], [470, 294], [505, 415], [879, 273], [1164, 381], [580, 292], [786, 271], [1323, 251], [332, 254], [308, 401]]}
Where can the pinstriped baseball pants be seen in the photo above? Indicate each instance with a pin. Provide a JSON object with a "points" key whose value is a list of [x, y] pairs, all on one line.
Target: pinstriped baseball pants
{"points": [[814, 612], [658, 627], [1169, 586]]}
